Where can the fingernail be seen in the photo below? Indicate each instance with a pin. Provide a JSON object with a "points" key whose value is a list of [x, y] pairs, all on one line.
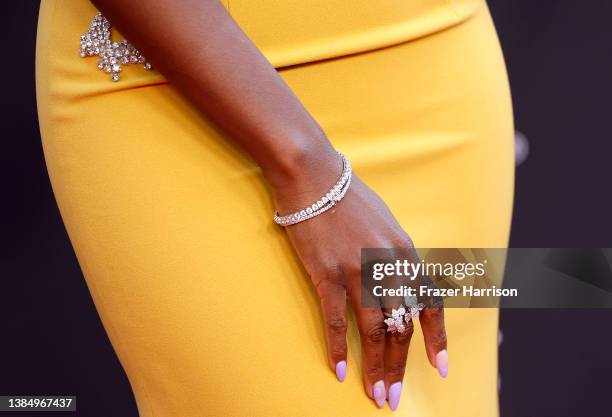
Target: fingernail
{"points": [[395, 392], [442, 363], [341, 370], [379, 393]]}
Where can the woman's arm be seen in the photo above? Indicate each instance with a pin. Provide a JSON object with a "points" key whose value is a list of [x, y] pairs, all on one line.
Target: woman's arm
{"points": [[201, 50], [206, 56]]}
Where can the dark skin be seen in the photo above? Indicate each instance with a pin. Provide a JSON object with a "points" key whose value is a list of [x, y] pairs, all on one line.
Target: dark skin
{"points": [[231, 83]]}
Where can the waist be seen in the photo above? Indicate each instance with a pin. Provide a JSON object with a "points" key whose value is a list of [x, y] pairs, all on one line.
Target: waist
{"points": [[291, 32]]}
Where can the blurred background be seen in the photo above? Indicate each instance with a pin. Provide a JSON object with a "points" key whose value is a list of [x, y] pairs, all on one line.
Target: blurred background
{"points": [[552, 362]]}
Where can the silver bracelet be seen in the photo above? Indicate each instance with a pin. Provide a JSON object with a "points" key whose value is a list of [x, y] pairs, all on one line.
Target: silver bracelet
{"points": [[333, 196]]}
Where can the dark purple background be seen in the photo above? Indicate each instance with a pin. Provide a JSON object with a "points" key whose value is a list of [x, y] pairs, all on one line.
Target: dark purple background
{"points": [[552, 363]]}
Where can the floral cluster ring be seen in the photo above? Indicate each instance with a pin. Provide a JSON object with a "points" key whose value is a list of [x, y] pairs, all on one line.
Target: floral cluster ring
{"points": [[397, 320]]}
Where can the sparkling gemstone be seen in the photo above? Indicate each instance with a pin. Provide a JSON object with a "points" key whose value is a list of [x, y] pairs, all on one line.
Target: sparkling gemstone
{"points": [[97, 42]]}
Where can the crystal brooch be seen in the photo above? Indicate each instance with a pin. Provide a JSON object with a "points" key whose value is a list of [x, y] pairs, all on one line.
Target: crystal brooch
{"points": [[113, 55]]}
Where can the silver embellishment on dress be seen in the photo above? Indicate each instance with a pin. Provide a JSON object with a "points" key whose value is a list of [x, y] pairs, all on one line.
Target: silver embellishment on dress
{"points": [[97, 42]]}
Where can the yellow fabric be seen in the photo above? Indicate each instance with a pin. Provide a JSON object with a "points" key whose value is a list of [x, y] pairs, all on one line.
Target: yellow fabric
{"points": [[297, 31], [204, 301]]}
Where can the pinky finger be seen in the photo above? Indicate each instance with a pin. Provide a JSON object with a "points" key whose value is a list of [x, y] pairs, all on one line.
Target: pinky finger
{"points": [[432, 324]]}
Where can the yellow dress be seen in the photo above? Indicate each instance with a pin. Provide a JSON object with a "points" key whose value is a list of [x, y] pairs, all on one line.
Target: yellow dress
{"points": [[199, 291]]}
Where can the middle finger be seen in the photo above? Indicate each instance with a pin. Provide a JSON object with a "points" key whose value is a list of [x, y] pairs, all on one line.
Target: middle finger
{"points": [[396, 353]]}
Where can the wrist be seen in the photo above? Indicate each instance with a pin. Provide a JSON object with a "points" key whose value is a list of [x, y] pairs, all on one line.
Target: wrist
{"points": [[323, 203], [303, 175]]}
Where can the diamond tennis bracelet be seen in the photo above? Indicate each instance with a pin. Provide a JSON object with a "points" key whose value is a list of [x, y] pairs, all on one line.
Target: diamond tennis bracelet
{"points": [[337, 192]]}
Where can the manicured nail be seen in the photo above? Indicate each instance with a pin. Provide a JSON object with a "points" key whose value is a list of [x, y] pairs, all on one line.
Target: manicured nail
{"points": [[341, 370], [379, 393], [395, 392], [442, 363]]}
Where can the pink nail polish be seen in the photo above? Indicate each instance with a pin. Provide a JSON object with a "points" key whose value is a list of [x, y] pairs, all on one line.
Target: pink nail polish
{"points": [[395, 392], [442, 363], [341, 370], [378, 390]]}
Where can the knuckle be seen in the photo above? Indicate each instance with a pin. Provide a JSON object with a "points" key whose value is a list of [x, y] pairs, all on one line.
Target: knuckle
{"points": [[403, 338], [439, 340], [373, 371], [339, 351], [409, 328], [432, 315], [337, 324], [376, 335], [335, 271], [331, 269], [352, 268], [396, 370], [435, 313]]}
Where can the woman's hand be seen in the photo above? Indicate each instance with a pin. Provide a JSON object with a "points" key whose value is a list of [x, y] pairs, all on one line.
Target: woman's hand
{"points": [[329, 245]]}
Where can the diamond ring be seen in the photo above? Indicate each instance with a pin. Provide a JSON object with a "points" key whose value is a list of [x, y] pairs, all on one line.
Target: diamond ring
{"points": [[397, 320]]}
